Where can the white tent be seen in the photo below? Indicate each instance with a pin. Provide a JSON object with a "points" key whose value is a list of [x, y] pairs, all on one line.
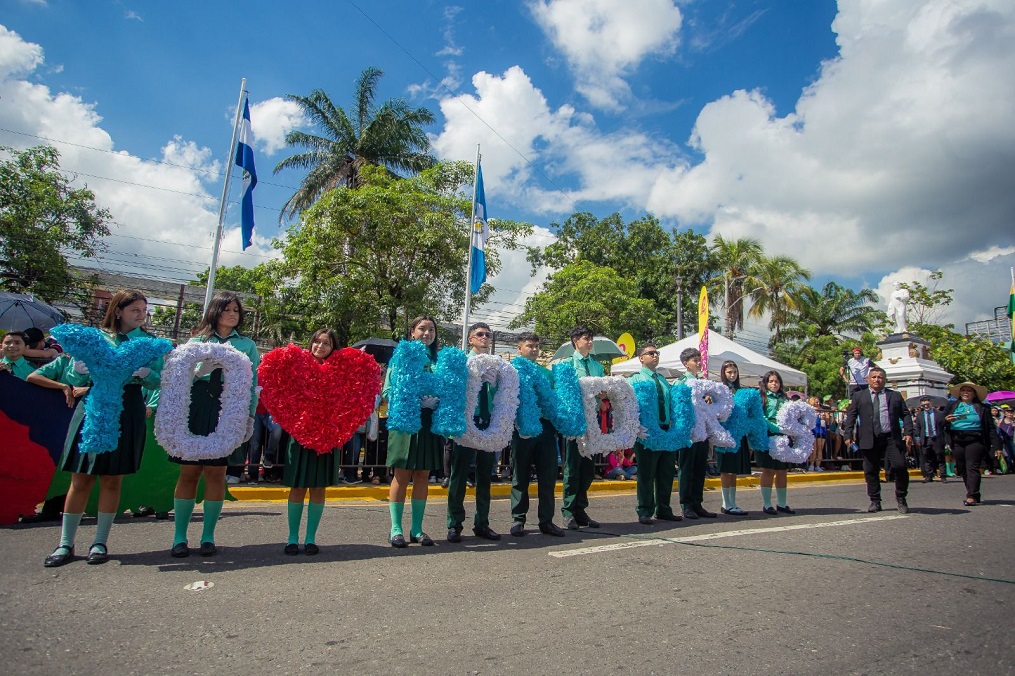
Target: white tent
{"points": [[752, 365]]}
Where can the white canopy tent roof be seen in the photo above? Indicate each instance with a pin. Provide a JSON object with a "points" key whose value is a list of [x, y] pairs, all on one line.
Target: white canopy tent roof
{"points": [[752, 365]]}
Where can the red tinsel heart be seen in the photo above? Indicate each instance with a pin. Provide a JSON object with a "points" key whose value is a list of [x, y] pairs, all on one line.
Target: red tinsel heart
{"points": [[320, 404]]}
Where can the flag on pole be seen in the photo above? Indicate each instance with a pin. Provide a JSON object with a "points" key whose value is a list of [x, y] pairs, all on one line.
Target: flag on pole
{"points": [[245, 159], [703, 329], [1011, 316], [480, 233]]}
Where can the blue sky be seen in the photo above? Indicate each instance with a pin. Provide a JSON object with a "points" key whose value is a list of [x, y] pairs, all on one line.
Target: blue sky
{"points": [[872, 141]]}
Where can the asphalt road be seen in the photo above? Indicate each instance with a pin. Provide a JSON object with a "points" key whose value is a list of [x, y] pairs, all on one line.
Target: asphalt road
{"points": [[827, 590]]}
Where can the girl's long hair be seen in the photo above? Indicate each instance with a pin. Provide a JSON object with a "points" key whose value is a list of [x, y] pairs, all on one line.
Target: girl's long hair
{"points": [[763, 385], [432, 347], [120, 300], [732, 384], [219, 302]]}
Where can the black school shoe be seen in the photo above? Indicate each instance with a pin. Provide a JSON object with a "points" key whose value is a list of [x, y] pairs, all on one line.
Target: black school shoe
{"points": [[58, 558]]}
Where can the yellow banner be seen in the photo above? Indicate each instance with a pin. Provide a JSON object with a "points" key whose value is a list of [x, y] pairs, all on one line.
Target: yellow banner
{"points": [[702, 313], [625, 343]]}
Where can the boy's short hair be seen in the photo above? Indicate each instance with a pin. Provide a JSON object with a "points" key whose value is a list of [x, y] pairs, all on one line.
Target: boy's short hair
{"points": [[689, 354], [580, 331], [527, 337]]}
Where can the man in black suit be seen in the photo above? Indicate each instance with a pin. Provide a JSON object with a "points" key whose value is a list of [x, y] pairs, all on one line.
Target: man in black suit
{"points": [[884, 429], [930, 438]]}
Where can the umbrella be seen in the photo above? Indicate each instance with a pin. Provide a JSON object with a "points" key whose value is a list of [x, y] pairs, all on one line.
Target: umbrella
{"points": [[380, 349], [603, 349], [935, 401], [20, 311], [1002, 397]]}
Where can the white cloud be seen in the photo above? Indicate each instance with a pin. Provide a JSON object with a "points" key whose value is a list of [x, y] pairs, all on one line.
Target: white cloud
{"points": [[272, 119], [131, 15], [899, 154], [515, 282], [175, 200], [605, 40]]}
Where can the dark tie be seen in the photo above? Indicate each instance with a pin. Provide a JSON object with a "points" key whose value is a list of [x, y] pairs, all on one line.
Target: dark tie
{"points": [[484, 402], [585, 363], [928, 424], [877, 413], [661, 397]]}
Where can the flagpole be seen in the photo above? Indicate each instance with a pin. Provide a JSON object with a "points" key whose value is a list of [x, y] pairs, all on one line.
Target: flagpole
{"points": [[225, 193], [468, 268]]}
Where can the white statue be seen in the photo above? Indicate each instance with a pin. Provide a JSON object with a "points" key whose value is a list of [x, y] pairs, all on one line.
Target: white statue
{"points": [[897, 307]]}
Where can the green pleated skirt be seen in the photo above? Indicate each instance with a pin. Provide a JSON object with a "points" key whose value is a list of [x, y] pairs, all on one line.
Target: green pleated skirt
{"points": [[766, 461], [205, 407], [306, 468], [419, 451], [737, 462], [126, 457]]}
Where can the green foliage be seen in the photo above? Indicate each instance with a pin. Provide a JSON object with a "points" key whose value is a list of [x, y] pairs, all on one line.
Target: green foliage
{"points": [[969, 357], [593, 295], [833, 311], [43, 220], [391, 135], [387, 251], [641, 252], [737, 260], [926, 303], [820, 358], [779, 282]]}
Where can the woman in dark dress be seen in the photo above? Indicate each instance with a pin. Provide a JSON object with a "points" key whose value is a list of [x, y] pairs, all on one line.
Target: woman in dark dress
{"points": [[308, 470], [221, 323], [738, 463], [413, 456], [126, 314]]}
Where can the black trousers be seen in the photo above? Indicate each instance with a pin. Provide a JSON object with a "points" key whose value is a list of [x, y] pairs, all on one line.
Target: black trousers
{"points": [[932, 455], [884, 449], [969, 451]]}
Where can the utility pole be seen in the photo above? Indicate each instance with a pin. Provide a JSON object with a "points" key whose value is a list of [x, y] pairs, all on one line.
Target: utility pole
{"points": [[680, 307]]}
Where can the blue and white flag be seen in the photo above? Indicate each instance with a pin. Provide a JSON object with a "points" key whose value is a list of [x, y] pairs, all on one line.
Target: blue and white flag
{"points": [[245, 159], [480, 233]]}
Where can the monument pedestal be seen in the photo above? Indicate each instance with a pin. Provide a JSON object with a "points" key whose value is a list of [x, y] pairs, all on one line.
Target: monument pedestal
{"points": [[905, 357]]}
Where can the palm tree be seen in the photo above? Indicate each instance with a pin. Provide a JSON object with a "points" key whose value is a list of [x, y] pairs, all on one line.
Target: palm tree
{"points": [[737, 259], [390, 135], [779, 281], [833, 311]]}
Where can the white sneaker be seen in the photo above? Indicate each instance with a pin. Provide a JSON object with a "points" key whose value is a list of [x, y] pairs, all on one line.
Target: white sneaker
{"points": [[267, 463], [230, 479], [818, 468]]}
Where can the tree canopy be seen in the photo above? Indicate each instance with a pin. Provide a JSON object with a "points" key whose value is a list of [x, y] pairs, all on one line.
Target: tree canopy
{"points": [[44, 220]]}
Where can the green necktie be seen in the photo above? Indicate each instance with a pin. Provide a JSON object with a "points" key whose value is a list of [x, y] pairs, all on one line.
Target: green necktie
{"points": [[660, 397], [484, 402]]}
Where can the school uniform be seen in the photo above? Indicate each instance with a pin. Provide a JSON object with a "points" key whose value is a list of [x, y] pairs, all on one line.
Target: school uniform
{"points": [[205, 398], [579, 471], [420, 450], [692, 463], [20, 367], [655, 467]]}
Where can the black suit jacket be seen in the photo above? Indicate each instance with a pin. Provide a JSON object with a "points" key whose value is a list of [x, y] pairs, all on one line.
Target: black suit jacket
{"points": [[920, 425], [987, 426], [861, 415]]}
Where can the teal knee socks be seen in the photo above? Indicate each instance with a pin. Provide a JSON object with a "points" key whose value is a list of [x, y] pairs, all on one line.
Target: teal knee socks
{"points": [[182, 511], [418, 507], [295, 511], [69, 529], [212, 509], [396, 509], [766, 496], [103, 526], [780, 497], [314, 512]]}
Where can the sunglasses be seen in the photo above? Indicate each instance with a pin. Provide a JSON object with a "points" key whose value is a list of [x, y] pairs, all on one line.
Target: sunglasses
{"points": [[482, 334], [650, 353]]}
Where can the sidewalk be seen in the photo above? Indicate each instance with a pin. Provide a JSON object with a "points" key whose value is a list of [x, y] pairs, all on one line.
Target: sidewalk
{"points": [[275, 492]]}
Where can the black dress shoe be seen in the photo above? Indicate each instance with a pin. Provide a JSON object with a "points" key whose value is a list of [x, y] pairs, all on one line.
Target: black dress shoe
{"points": [[927, 479], [97, 554], [311, 549], [291, 549], [422, 539], [903, 506], [586, 521], [770, 511], [785, 509], [645, 520], [733, 511], [486, 533], [701, 511], [398, 541], [690, 514], [208, 549], [180, 551], [518, 530], [669, 517], [551, 529], [875, 506], [60, 556], [571, 523], [454, 535]]}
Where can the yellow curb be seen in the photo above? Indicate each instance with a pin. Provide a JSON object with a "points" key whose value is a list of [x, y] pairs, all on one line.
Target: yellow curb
{"points": [[274, 492]]}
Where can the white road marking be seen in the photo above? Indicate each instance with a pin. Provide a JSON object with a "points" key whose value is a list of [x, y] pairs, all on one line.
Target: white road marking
{"points": [[628, 544]]}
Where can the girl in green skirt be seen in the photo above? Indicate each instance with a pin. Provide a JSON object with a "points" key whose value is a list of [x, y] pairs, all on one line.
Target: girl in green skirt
{"points": [[414, 456], [737, 463], [125, 315], [772, 399], [306, 469], [221, 323]]}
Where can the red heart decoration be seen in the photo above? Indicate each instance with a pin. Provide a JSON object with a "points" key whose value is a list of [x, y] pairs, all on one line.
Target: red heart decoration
{"points": [[320, 404]]}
